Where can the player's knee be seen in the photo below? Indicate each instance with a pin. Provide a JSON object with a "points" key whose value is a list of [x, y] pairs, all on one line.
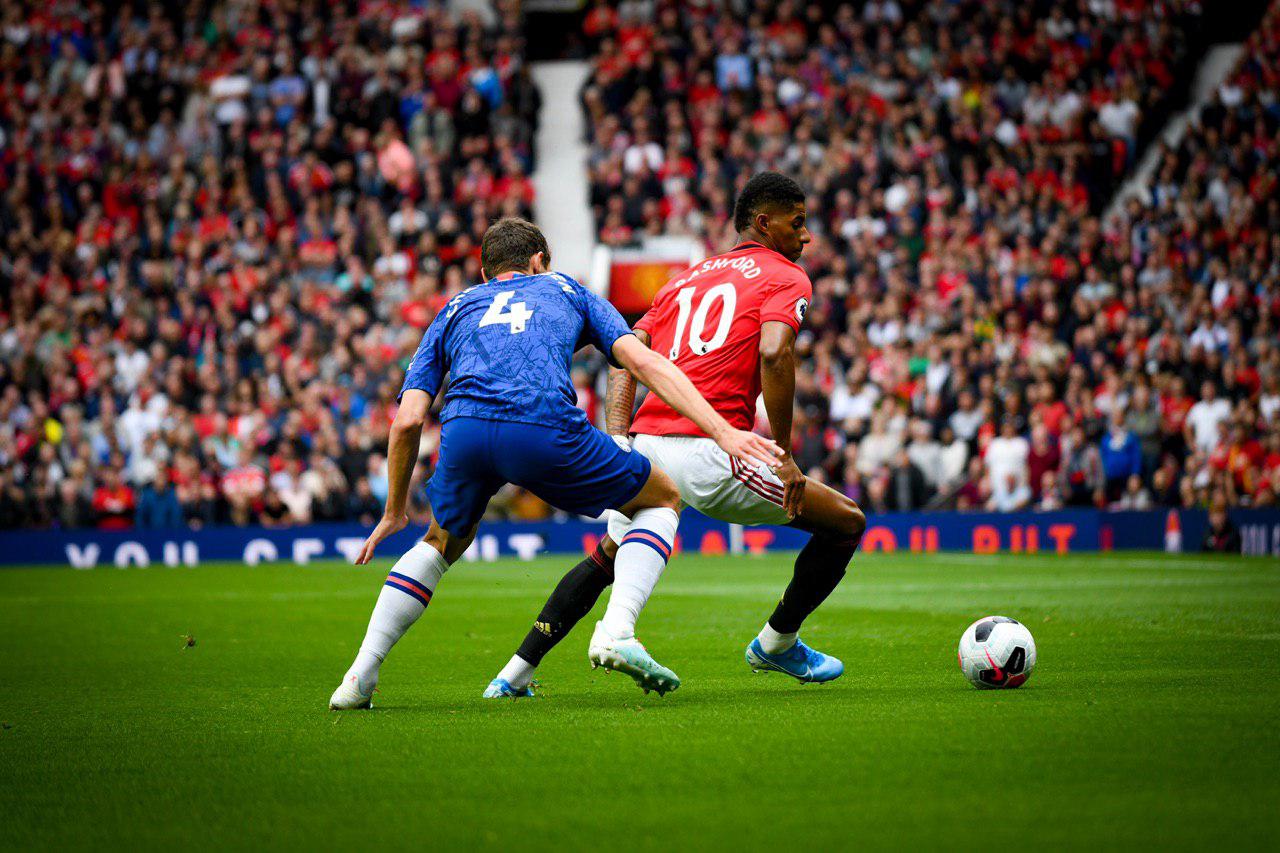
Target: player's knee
{"points": [[436, 537], [853, 522], [858, 523], [449, 546], [665, 493]]}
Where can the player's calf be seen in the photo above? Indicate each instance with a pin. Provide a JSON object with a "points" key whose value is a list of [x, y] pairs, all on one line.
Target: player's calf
{"points": [[837, 524], [643, 552], [642, 555], [403, 599], [573, 598]]}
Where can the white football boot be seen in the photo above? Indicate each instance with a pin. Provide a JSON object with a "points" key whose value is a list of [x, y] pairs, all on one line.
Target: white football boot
{"points": [[349, 696], [630, 656]]}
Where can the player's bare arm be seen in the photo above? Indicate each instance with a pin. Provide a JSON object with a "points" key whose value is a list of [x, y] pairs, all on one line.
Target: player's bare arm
{"points": [[402, 454], [669, 382], [778, 387], [620, 395]]}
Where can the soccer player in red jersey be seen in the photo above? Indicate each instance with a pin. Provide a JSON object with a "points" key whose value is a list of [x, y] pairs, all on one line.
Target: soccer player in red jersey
{"points": [[730, 323]]}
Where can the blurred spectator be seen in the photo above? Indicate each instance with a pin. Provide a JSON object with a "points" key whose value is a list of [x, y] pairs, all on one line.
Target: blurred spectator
{"points": [[1009, 495], [1221, 536], [1043, 459], [295, 492], [1134, 496], [907, 488], [362, 506], [74, 507], [273, 511], [158, 505], [975, 492], [113, 502], [954, 457], [1121, 455], [1051, 498], [1081, 478], [926, 455], [1205, 418], [244, 487], [1143, 420], [1007, 466]]}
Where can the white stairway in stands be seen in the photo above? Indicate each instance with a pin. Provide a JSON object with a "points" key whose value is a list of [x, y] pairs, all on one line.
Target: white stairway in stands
{"points": [[562, 207], [1218, 63]]}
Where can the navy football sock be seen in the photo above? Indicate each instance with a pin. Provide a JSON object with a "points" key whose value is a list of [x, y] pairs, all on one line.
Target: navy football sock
{"points": [[573, 598], [819, 567]]}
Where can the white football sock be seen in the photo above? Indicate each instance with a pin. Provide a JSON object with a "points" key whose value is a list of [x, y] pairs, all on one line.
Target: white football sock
{"points": [[403, 598], [773, 642], [518, 672], [642, 555]]}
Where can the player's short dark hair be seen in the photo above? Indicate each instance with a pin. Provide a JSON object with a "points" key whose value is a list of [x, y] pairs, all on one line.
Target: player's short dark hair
{"points": [[508, 245], [767, 189]]}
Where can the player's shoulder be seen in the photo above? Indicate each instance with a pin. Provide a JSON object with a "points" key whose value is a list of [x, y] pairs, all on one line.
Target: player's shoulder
{"points": [[710, 272], [565, 285], [778, 268], [456, 302], [753, 261]]}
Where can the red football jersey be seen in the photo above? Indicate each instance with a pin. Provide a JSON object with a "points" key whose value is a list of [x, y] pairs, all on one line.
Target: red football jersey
{"points": [[707, 320]]}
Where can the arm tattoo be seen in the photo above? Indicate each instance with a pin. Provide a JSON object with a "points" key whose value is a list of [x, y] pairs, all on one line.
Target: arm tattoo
{"points": [[620, 397]]}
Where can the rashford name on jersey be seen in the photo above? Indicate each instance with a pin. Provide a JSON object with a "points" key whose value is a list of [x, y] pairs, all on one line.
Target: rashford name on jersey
{"points": [[707, 320]]}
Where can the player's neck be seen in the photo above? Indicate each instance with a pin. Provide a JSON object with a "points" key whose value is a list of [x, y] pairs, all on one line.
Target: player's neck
{"points": [[751, 236], [510, 274]]}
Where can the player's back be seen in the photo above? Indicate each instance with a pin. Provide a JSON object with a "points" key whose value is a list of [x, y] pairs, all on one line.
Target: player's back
{"points": [[507, 346], [708, 319]]}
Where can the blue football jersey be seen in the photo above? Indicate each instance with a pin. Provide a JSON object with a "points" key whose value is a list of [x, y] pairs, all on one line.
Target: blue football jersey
{"points": [[507, 346]]}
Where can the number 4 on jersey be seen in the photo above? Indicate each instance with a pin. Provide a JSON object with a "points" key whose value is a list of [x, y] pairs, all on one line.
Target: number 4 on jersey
{"points": [[516, 318]]}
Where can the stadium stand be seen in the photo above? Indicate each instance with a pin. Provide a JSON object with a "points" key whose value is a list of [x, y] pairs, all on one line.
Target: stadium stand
{"points": [[222, 239], [979, 337], [225, 227]]}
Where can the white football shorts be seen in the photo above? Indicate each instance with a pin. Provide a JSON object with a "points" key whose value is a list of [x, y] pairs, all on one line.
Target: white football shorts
{"points": [[711, 481]]}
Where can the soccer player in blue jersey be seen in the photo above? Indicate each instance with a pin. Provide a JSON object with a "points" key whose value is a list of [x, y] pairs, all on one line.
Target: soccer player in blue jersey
{"points": [[510, 417]]}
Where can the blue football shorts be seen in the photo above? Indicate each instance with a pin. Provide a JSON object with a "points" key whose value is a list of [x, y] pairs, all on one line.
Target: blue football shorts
{"points": [[577, 469]]}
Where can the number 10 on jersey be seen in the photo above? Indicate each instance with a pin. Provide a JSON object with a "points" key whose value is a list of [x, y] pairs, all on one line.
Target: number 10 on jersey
{"points": [[696, 325]]}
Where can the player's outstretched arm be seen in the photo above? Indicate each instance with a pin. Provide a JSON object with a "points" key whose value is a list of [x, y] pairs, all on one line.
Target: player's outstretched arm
{"points": [[778, 387], [402, 454], [620, 396], [669, 382]]}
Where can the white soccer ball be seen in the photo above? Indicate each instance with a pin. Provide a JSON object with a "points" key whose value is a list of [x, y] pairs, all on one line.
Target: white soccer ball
{"points": [[997, 653]]}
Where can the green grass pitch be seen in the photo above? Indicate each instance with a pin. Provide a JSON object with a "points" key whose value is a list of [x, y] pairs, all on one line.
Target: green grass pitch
{"points": [[1152, 720]]}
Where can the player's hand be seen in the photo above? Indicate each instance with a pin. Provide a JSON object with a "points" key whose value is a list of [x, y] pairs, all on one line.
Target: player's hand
{"points": [[386, 527], [751, 449], [793, 482]]}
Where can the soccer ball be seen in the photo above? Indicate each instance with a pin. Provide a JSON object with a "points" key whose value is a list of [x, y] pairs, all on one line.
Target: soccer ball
{"points": [[997, 652]]}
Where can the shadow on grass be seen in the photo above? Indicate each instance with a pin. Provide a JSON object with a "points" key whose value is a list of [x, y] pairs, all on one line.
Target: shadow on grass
{"points": [[751, 695]]}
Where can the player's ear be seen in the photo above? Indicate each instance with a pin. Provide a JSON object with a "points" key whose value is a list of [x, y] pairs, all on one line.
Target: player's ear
{"points": [[484, 276], [538, 262], [762, 222]]}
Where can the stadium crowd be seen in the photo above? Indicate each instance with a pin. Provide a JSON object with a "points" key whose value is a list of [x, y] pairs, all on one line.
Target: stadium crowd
{"points": [[225, 226], [980, 337]]}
